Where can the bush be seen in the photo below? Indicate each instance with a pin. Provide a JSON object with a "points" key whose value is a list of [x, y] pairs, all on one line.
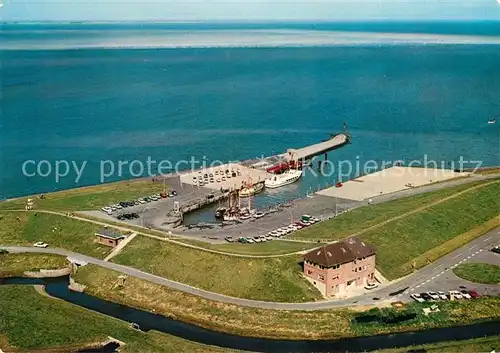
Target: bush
{"points": [[385, 315]]}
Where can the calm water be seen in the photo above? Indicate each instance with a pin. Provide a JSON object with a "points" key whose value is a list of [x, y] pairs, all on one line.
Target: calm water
{"points": [[231, 103]]}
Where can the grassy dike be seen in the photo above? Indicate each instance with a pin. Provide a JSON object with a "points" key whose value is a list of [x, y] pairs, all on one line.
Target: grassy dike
{"points": [[272, 279], [14, 265], [31, 321], [485, 344], [88, 198], [26, 228], [364, 217]]}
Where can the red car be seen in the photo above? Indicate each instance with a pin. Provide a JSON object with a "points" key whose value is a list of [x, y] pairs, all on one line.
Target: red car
{"points": [[474, 294]]}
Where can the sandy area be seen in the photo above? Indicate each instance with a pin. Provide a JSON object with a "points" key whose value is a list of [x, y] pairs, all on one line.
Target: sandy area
{"points": [[388, 181], [246, 174]]}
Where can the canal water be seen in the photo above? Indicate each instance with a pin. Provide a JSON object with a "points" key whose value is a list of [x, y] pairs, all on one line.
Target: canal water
{"points": [[150, 321]]}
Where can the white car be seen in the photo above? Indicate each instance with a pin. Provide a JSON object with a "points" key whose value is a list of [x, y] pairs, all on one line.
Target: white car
{"points": [[455, 294], [433, 295], [40, 245], [250, 240], [465, 294], [269, 238], [442, 295], [417, 298]]}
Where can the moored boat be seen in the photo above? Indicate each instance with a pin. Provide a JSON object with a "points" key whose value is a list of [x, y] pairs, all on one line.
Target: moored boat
{"points": [[288, 177], [251, 190]]}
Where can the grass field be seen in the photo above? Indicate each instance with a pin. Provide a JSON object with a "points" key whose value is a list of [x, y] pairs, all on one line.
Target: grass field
{"points": [[12, 265], [484, 344], [273, 279], [274, 247], [88, 198], [26, 228], [364, 217], [413, 239], [479, 273], [30, 320]]}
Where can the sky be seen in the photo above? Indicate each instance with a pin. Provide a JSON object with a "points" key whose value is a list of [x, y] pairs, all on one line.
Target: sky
{"points": [[236, 10]]}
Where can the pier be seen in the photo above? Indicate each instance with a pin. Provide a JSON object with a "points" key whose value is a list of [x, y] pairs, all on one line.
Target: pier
{"points": [[311, 151]]}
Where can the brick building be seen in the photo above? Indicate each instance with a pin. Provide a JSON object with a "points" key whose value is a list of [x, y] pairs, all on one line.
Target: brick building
{"points": [[108, 237], [337, 268]]}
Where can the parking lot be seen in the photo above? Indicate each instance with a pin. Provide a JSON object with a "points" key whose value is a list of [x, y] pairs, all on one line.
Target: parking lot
{"points": [[227, 176], [155, 211], [439, 276]]}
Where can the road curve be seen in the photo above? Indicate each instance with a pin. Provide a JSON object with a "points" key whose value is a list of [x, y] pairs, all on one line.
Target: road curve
{"points": [[383, 293]]}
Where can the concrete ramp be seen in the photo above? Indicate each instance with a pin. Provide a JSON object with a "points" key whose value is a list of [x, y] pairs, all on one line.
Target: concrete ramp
{"points": [[388, 181]]}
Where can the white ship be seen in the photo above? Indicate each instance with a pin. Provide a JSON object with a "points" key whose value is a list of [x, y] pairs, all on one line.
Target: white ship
{"points": [[288, 177]]}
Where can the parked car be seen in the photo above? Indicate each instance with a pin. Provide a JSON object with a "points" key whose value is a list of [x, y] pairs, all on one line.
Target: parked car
{"points": [[425, 296], [442, 295], [417, 298], [496, 249], [371, 286], [40, 244], [433, 295], [465, 294], [455, 294], [473, 294], [229, 239]]}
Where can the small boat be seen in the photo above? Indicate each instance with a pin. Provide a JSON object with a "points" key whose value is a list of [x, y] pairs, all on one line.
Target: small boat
{"points": [[251, 190], [244, 217], [259, 215], [492, 121], [288, 177], [219, 212]]}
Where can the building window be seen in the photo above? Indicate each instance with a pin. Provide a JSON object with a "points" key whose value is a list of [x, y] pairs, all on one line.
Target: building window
{"points": [[336, 277], [321, 277], [309, 272]]}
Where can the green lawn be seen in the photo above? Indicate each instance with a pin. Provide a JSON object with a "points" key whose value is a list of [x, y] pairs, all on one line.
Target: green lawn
{"points": [[400, 242], [26, 228], [274, 247], [88, 198], [273, 279], [361, 218], [483, 344], [12, 265], [479, 273], [30, 320]]}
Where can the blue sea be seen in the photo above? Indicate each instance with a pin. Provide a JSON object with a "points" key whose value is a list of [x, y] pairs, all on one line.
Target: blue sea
{"points": [[125, 92]]}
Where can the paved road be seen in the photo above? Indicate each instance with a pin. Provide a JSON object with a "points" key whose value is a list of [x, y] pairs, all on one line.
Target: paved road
{"points": [[430, 274]]}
